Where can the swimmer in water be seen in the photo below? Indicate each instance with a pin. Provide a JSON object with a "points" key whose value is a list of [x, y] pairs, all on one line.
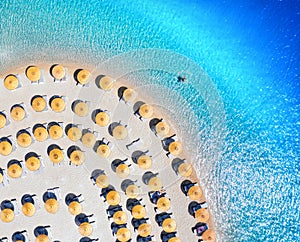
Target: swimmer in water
{"points": [[181, 79]]}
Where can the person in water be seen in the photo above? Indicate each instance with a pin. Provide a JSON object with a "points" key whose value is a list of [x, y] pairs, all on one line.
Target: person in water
{"points": [[181, 79]]}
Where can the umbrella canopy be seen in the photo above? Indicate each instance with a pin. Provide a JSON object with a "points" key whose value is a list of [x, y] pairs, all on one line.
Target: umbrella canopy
{"points": [[38, 103], [88, 139], [138, 211], [169, 225], [202, 215], [2, 120], [40, 133], [103, 150], [113, 198], [163, 204], [33, 163], [120, 132], [155, 183], [5, 148], [42, 238], [56, 155], [11, 82], [1, 178], [146, 111], [185, 169], [7, 215], [51, 205], [58, 72], [75, 208], [33, 73], [24, 139], [17, 113], [144, 230], [58, 104], [129, 95], [174, 239], [102, 119], [162, 128], [28, 209], [14, 171], [74, 133], [120, 217], [209, 236], [144, 162], [102, 181], [122, 170], [106, 83], [123, 234], [175, 148], [83, 77], [132, 191], [81, 109], [85, 229], [55, 131], [77, 157], [195, 193]]}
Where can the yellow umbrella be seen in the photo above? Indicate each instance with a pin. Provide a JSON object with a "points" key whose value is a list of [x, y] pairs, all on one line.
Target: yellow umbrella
{"points": [[175, 148], [77, 157], [162, 128], [122, 170], [144, 162], [132, 191], [2, 120], [85, 229], [106, 83], [7, 215], [163, 204], [5, 148], [1, 178], [120, 217], [123, 234], [102, 181], [185, 169], [56, 155], [138, 211], [174, 239], [120, 132], [24, 139], [209, 235], [38, 104], [202, 215], [28, 209], [74, 133], [155, 184], [195, 193], [169, 225], [146, 111], [55, 132], [17, 113], [81, 109], [129, 95], [83, 77], [14, 171], [58, 72], [103, 150], [88, 139], [51, 205], [58, 104], [33, 73], [40, 133], [144, 230], [11, 82], [113, 198], [75, 208], [102, 119], [42, 238], [33, 163]]}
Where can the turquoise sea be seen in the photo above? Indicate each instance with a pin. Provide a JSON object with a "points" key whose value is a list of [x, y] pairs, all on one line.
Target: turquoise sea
{"points": [[243, 122]]}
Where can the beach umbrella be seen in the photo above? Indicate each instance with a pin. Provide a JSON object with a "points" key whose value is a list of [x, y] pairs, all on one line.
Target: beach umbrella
{"points": [[80, 108], [155, 183], [88, 139], [11, 82], [74, 133], [57, 104], [163, 204], [24, 138], [185, 169], [51, 205], [146, 111], [38, 103], [75, 208], [58, 72], [120, 132], [144, 162], [202, 215], [209, 235], [102, 119], [77, 157], [122, 170], [106, 83], [33, 163], [56, 155], [28, 209], [102, 181], [55, 131], [14, 169], [17, 113], [195, 193], [5, 147], [120, 217], [144, 230], [42, 238], [174, 239], [175, 148], [132, 191], [40, 133], [85, 229], [162, 128], [138, 211], [103, 150], [113, 198], [129, 95], [2, 120], [1, 176], [123, 234], [169, 225], [33, 73], [83, 77], [7, 215]]}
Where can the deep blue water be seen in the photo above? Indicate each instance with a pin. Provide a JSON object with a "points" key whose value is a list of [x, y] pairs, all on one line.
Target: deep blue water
{"points": [[251, 51]]}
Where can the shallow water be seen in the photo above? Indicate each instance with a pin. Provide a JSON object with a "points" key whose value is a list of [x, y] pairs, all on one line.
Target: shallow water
{"points": [[250, 51]]}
